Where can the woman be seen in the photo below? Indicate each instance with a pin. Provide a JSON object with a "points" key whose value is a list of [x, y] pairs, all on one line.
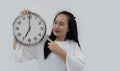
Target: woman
{"points": [[61, 51]]}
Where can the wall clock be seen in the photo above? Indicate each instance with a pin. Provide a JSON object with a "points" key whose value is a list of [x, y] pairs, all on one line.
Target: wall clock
{"points": [[29, 29]]}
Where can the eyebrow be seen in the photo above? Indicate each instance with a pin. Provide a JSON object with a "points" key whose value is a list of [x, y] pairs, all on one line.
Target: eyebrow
{"points": [[59, 22]]}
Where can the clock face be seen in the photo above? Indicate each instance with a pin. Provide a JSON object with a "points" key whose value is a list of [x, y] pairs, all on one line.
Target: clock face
{"points": [[29, 28]]}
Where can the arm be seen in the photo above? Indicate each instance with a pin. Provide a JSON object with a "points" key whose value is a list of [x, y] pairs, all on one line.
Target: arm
{"points": [[14, 43], [63, 54], [56, 48], [25, 11], [24, 53], [75, 62]]}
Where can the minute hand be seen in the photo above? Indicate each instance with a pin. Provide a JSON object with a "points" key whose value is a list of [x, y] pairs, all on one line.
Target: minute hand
{"points": [[29, 26]]}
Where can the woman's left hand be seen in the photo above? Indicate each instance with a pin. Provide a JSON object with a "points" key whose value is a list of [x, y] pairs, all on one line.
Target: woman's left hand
{"points": [[53, 46], [56, 48]]}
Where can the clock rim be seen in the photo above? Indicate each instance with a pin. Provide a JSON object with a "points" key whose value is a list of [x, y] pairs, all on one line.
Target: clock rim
{"points": [[31, 43]]}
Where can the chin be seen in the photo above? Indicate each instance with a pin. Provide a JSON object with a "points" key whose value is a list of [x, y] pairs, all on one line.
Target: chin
{"points": [[56, 34]]}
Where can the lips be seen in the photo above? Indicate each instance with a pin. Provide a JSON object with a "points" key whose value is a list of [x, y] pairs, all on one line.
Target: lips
{"points": [[56, 31]]}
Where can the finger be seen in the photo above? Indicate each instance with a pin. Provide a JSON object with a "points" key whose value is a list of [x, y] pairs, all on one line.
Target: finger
{"points": [[50, 48], [25, 11], [28, 11], [49, 44], [49, 40], [22, 12]]}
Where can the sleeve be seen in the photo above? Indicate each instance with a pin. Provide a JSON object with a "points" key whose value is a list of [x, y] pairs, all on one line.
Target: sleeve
{"points": [[24, 53], [75, 62]]}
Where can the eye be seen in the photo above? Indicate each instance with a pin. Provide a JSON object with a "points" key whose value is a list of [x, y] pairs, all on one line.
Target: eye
{"points": [[61, 23], [55, 22]]}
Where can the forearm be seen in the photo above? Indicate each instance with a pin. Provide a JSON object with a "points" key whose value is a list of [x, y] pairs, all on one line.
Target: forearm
{"points": [[14, 43], [57, 49], [62, 54]]}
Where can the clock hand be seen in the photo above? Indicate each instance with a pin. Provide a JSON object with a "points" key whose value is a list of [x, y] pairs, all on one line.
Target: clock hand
{"points": [[27, 31], [29, 23], [29, 17]]}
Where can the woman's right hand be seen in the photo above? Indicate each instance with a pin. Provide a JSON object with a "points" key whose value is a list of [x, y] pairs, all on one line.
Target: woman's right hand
{"points": [[25, 11]]}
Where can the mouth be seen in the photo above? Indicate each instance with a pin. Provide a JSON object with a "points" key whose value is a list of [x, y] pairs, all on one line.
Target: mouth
{"points": [[56, 31]]}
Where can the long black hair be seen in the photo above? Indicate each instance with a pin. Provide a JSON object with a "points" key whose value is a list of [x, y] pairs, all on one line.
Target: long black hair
{"points": [[71, 35]]}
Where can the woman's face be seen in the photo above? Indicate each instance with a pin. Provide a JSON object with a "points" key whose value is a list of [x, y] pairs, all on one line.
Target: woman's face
{"points": [[60, 26]]}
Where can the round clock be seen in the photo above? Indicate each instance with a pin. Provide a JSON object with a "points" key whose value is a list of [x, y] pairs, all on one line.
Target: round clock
{"points": [[29, 29]]}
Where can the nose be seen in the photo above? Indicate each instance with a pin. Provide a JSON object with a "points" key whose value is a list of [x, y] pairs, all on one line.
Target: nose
{"points": [[56, 26]]}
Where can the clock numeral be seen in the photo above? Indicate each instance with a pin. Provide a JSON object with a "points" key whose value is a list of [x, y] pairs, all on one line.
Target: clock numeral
{"points": [[35, 18], [23, 38], [39, 34], [19, 34], [29, 40], [23, 18], [35, 38], [39, 23], [17, 28], [19, 22], [29, 17], [41, 28]]}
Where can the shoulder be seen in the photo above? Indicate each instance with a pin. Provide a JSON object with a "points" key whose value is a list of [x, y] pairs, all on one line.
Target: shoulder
{"points": [[72, 42]]}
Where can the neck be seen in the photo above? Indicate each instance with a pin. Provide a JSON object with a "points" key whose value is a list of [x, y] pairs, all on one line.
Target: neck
{"points": [[60, 39]]}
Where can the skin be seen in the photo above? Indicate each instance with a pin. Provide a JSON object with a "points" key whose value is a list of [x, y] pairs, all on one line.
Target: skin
{"points": [[60, 28], [14, 43]]}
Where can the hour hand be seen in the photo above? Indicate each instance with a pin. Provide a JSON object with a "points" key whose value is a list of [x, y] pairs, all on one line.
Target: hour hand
{"points": [[27, 31]]}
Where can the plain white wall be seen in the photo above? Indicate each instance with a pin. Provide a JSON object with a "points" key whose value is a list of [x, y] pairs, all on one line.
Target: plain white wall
{"points": [[98, 26]]}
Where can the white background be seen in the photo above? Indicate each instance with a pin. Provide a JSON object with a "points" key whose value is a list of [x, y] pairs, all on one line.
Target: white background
{"points": [[98, 25]]}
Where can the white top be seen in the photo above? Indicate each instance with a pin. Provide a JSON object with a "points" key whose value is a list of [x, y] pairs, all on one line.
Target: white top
{"points": [[74, 57]]}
